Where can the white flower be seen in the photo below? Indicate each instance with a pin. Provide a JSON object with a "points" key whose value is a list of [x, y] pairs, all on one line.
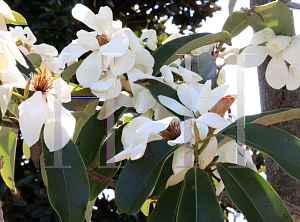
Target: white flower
{"points": [[221, 77], [281, 49], [151, 37], [44, 107], [207, 48], [5, 11], [111, 45]]}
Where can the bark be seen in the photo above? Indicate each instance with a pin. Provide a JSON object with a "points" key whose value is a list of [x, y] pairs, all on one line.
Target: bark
{"points": [[286, 187]]}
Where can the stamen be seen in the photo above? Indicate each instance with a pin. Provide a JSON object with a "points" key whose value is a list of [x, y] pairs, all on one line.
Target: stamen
{"points": [[171, 132], [102, 39], [176, 77], [28, 47], [42, 81]]}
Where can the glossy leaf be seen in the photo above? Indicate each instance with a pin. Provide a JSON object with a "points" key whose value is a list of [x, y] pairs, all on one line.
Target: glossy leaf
{"points": [[158, 88], [81, 98], [141, 175], [275, 15], [236, 23], [20, 20], [172, 50], [252, 194], [167, 204], [80, 121], [71, 70], [8, 143], [91, 137], [43, 169], [26, 151], [89, 210], [35, 59], [68, 186], [198, 200], [276, 143]]}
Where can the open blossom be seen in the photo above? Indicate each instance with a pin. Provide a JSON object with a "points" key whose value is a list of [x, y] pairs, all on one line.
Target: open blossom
{"points": [[44, 107], [112, 46], [280, 48]]}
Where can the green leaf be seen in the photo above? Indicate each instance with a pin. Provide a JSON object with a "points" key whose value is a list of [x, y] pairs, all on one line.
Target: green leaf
{"points": [[89, 210], [81, 98], [35, 59], [236, 23], [141, 175], [80, 121], [165, 174], [205, 66], [252, 194], [278, 144], [275, 15], [158, 88], [172, 50], [198, 200], [24, 70], [167, 204], [231, 6], [251, 118], [71, 70], [293, 5], [20, 20], [43, 170], [91, 136], [145, 208], [68, 187], [8, 143], [26, 151]]}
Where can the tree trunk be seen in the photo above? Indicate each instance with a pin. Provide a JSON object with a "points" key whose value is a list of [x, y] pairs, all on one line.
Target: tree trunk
{"points": [[286, 187]]}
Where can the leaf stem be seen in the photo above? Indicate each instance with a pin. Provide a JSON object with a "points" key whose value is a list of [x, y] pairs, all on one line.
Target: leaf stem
{"points": [[17, 94]]}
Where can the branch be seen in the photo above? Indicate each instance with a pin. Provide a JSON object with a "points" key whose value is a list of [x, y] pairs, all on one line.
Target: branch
{"points": [[293, 209], [9, 124], [100, 178]]}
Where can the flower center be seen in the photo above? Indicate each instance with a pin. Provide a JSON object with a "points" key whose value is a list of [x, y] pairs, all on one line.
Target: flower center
{"points": [[102, 39], [42, 81], [176, 77], [28, 47], [171, 132]]}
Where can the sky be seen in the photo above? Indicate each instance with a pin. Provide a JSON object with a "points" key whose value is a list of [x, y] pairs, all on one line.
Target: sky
{"points": [[251, 91]]}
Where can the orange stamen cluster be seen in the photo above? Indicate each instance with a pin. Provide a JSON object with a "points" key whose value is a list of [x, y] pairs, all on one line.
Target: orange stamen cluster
{"points": [[42, 81]]}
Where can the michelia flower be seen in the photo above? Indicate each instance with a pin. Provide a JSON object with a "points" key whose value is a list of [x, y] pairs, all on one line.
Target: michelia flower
{"points": [[5, 11], [43, 108], [280, 48], [107, 42], [141, 130]]}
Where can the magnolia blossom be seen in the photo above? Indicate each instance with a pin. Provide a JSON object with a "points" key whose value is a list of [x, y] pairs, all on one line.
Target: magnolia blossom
{"points": [[111, 46], [280, 48], [44, 107], [5, 11], [151, 37]]}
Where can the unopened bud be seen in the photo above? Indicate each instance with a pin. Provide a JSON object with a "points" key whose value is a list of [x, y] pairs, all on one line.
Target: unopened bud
{"points": [[223, 105]]}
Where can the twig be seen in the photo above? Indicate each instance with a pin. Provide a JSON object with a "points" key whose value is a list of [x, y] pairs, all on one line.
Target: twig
{"points": [[100, 178], [9, 124], [293, 209]]}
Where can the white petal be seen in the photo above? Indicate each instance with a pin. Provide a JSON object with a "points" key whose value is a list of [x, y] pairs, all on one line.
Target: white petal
{"points": [[90, 70], [46, 50], [249, 161], [290, 54], [277, 72], [152, 38], [220, 187], [134, 42], [88, 42], [3, 26], [129, 134], [175, 106], [138, 149], [254, 55], [188, 75], [105, 18], [187, 95], [86, 16], [63, 89], [145, 62], [172, 37], [261, 35], [120, 101], [30, 39], [203, 100], [277, 43], [117, 46], [209, 153], [293, 81], [167, 74], [6, 11], [125, 154], [112, 92], [71, 53], [217, 94], [123, 63], [143, 101], [185, 133], [32, 115], [212, 120], [5, 95], [59, 127]]}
